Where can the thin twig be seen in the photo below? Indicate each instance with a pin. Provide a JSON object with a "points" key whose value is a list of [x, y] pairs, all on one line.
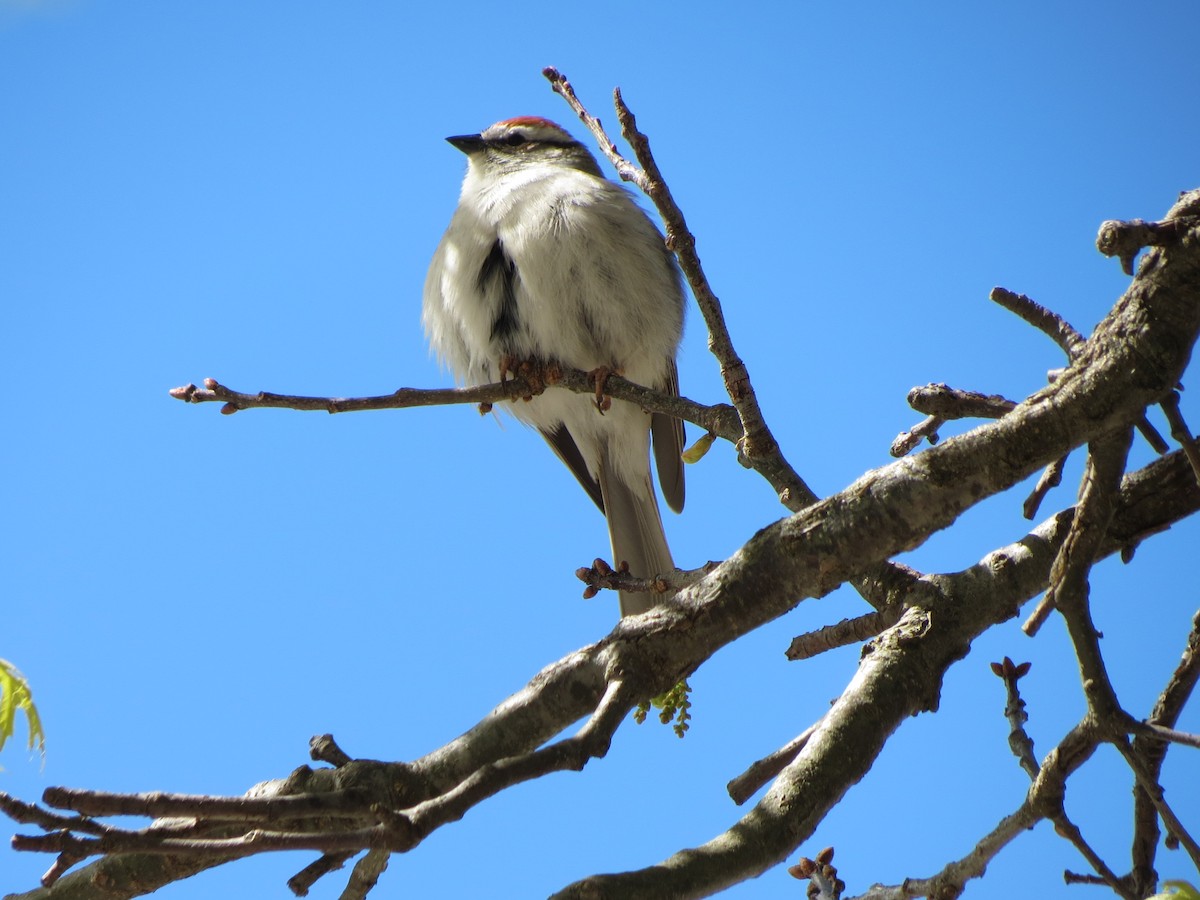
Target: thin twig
{"points": [[847, 631], [1148, 783], [1181, 432], [1072, 342], [323, 748], [61, 865], [952, 403], [1069, 577], [345, 804], [601, 576], [625, 169], [570, 754], [300, 883], [1050, 478], [1153, 438], [1167, 735], [906, 441], [1072, 752], [757, 445], [942, 403], [365, 875], [1153, 750], [760, 772], [251, 843], [1067, 829], [1048, 322], [758, 440], [32, 814], [720, 419], [1019, 740]]}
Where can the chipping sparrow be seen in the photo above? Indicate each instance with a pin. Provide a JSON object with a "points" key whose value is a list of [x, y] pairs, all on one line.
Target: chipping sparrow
{"points": [[547, 260]]}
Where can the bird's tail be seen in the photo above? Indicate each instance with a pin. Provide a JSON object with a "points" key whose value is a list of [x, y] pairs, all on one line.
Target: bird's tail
{"points": [[636, 530]]}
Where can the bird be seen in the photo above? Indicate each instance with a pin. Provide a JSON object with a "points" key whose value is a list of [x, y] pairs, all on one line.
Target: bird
{"points": [[546, 260]]}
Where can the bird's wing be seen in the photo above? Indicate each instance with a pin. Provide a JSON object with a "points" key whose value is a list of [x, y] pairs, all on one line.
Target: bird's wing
{"points": [[564, 446], [667, 432]]}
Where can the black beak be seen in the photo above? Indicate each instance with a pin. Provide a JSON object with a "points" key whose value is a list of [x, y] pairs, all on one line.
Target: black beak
{"points": [[467, 143]]}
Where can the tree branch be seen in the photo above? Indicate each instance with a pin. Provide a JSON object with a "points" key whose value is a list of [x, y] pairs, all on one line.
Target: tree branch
{"points": [[1134, 358], [899, 676], [720, 420], [1153, 751], [757, 445], [847, 631], [1125, 240], [1048, 322], [1072, 752]]}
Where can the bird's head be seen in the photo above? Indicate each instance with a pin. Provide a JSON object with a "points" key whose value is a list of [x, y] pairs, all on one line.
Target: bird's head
{"points": [[523, 141]]}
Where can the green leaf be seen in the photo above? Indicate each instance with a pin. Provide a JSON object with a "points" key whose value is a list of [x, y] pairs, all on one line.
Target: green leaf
{"points": [[15, 695], [673, 707], [697, 451], [1177, 890]]}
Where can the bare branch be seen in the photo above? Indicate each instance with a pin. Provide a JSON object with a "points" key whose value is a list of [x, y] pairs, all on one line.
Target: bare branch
{"points": [[1148, 783], [1050, 323], [118, 841], [32, 814], [300, 883], [592, 741], [1135, 356], [346, 804], [762, 771], [720, 420], [1150, 498], [1050, 478], [1019, 740], [601, 576], [906, 441], [365, 875], [942, 403], [885, 691], [950, 403], [323, 748], [1069, 580], [1067, 829], [625, 169], [1181, 432], [1069, 586], [757, 445], [1153, 438], [847, 631], [821, 874], [1125, 239], [1153, 750], [1072, 752]]}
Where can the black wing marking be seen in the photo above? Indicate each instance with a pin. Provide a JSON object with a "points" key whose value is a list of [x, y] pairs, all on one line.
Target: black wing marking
{"points": [[567, 450], [498, 278]]}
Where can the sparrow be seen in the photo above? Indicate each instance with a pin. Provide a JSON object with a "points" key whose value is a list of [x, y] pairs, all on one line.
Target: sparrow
{"points": [[546, 260]]}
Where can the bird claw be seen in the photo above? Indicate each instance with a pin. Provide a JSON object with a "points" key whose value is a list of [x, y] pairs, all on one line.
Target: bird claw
{"points": [[600, 375], [537, 374]]}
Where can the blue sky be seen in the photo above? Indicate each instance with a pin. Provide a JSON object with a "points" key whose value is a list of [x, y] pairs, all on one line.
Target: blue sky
{"points": [[251, 191]]}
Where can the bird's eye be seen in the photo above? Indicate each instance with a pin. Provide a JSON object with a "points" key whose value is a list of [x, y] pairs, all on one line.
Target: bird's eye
{"points": [[514, 138]]}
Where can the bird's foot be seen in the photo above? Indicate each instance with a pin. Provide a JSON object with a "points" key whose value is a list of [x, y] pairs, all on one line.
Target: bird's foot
{"points": [[600, 376], [536, 375]]}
